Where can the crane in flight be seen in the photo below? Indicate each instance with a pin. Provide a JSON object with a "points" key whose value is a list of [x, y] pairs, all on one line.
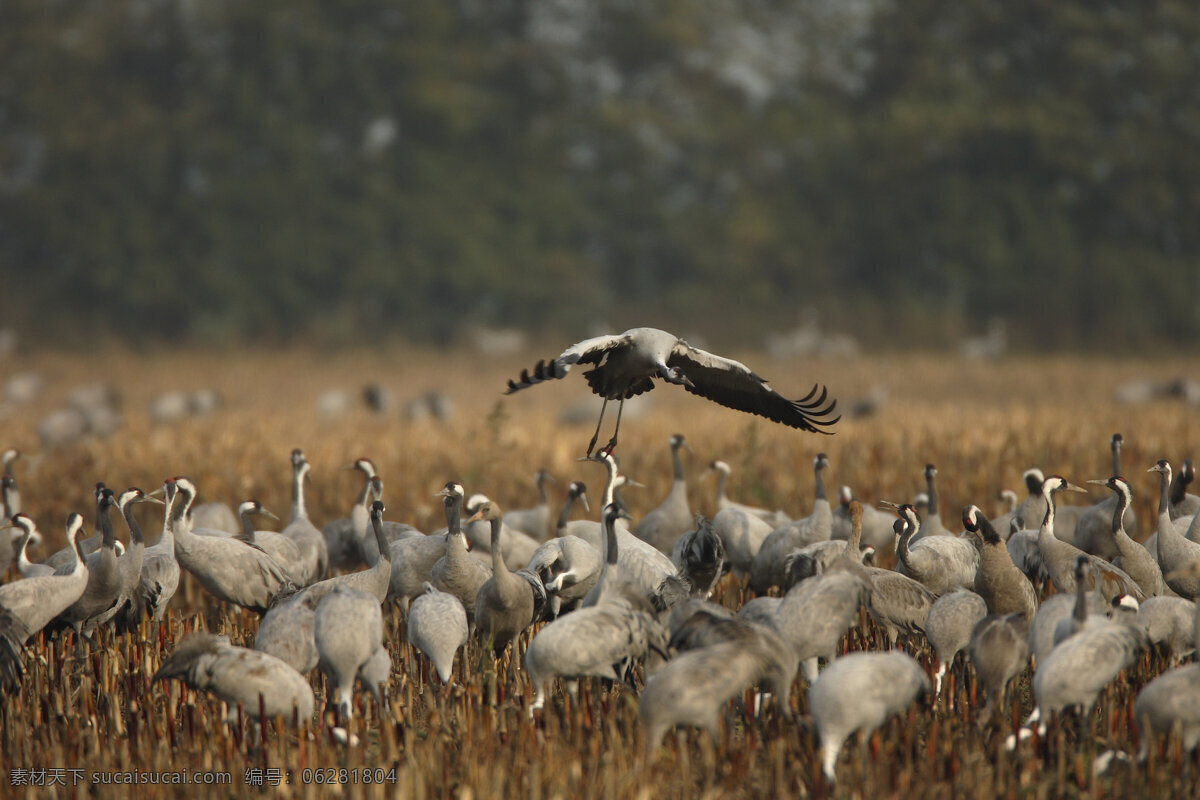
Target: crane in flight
{"points": [[624, 365]]}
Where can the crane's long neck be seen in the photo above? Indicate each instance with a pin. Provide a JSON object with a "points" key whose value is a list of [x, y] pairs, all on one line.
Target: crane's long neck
{"points": [[498, 565], [902, 546], [1164, 501], [565, 514], [298, 509], [931, 490], [135, 530], [109, 533], [79, 565], [675, 457], [543, 499], [722, 475], [1047, 529], [819, 479], [12, 498], [610, 486], [247, 534], [385, 552], [179, 526], [364, 495], [1118, 521], [1116, 456], [1081, 589], [23, 562]]}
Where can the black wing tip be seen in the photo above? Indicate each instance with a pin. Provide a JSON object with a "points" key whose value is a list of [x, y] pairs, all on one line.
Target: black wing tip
{"points": [[542, 371]]}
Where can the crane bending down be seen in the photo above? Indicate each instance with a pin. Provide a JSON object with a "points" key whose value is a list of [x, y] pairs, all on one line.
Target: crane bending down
{"points": [[625, 365]]}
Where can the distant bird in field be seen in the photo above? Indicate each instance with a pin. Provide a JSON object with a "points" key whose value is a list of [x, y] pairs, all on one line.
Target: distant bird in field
{"points": [[624, 366]]}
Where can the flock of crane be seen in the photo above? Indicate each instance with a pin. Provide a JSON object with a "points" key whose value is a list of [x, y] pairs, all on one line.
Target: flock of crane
{"points": [[599, 598], [602, 597]]}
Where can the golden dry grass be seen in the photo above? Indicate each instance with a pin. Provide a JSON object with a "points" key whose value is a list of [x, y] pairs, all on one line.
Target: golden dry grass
{"points": [[982, 424]]}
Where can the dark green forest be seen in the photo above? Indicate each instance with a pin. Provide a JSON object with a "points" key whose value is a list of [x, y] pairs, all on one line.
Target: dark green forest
{"points": [[210, 171]]}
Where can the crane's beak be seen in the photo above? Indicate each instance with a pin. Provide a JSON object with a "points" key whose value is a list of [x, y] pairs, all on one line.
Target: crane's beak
{"points": [[888, 505], [586, 507], [1070, 487], [1099, 483], [157, 492], [148, 498], [266, 513]]}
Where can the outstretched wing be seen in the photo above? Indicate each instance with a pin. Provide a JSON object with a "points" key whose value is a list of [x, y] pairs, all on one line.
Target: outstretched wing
{"points": [[589, 351], [732, 384]]}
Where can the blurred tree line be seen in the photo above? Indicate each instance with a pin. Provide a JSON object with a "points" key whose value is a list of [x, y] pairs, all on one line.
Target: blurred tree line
{"points": [[209, 170]]}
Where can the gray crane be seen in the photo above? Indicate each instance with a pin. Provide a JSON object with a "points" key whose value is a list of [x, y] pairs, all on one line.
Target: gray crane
{"points": [[1131, 557], [693, 688], [1033, 507], [663, 524], [1184, 503], [743, 534], [1059, 557], [437, 626], [393, 530], [877, 527], [99, 600], [1093, 531], [348, 631], [457, 572], [699, 555], [941, 561], [374, 580], [1169, 623], [859, 692], [239, 676], [948, 627], [1175, 551], [504, 604], [130, 610], [576, 492], [932, 524], [1073, 674], [638, 563], [999, 652], [1171, 702], [516, 547], [722, 501], [341, 541], [228, 568], [91, 544], [534, 521], [28, 530], [899, 604], [624, 365], [767, 568], [286, 631], [1001, 584], [307, 536], [619, 628], [413, 558], [27, 606], [160, 569], [278, 546], [813, 615], [567, 565]]}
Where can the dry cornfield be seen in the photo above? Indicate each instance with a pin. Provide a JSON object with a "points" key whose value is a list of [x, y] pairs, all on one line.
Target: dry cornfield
{"points": [[85, 722]]}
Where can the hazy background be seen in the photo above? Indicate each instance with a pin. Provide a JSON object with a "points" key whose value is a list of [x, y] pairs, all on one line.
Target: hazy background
{"points": [[299, 171]]}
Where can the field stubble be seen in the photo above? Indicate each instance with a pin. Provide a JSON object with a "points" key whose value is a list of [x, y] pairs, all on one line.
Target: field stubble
{"points": [[982, 424]]}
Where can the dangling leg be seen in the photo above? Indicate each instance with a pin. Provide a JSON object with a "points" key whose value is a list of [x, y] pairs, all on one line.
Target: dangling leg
{"points": [[612, 443], [596, 435]]}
